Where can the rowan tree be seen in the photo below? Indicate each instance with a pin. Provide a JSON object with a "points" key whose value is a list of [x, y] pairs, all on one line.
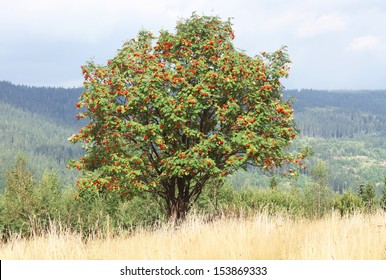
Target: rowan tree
{"points": [[168, 113]]}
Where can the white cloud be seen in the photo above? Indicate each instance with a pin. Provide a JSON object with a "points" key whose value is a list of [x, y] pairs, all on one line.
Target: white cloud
{"points": [[87, 20], [368, 42], [64, 33], [283, 20], [325, 23]]}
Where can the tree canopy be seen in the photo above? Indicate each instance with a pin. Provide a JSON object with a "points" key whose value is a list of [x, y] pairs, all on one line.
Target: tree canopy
{"points": [[168, 113]]}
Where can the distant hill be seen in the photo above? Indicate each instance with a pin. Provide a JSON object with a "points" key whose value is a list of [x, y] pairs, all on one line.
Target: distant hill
{"points": [[337, 114], [56, 104], [370, 101], [37, 122]]}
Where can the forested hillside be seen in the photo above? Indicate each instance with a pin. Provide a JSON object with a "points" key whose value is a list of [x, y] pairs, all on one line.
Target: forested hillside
{"points": [[336, 114], [36, 122], [55, 104], [346, 129]]}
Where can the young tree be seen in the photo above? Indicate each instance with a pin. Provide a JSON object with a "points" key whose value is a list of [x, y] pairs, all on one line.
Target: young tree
{"points": [[368, 194], [169, 113], [383, 199], [322, 191], [20, 201]]}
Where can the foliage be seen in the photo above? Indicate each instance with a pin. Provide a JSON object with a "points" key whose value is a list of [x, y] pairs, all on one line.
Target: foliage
{"points": [[368, 195], [321, 191], [349, 203], [19, 200], [273, 184], [383, 199], [217, 196], [95, 214], [167, 114], [28, 207]]}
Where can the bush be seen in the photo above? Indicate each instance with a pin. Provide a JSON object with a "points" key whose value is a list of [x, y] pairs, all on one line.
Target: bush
{"points": [[348, 203], [215, 198], [28, 208], [101, 214]]}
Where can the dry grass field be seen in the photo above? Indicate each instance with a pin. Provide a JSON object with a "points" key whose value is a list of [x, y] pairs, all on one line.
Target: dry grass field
{"points": [[259, 237]]}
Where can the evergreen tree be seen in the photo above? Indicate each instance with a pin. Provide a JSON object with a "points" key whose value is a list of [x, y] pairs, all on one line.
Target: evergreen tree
{"points": [[322, 191], [19, 198], [368, 194], [273, 184], [383, 199]]}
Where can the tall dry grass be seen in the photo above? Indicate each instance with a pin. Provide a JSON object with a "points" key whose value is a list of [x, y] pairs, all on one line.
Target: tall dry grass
{"points": [[262, 236]]}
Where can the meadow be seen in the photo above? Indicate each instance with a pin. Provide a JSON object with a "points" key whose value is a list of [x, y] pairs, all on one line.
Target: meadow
{"points": [[251, 237]]}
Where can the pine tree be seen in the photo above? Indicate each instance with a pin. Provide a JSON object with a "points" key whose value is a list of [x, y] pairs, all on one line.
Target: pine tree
{"points": [[368, 194]]}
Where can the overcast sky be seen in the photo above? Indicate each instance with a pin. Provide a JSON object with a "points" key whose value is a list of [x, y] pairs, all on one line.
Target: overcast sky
{"points": [[333, 44]]}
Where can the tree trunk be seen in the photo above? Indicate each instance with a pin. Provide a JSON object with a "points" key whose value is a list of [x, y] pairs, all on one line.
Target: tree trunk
{"points": [[177, 211], [177, 201], [179, 194]]}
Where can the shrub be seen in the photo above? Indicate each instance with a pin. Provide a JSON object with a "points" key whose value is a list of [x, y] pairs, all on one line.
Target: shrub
{"points": [[348, 203]]}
